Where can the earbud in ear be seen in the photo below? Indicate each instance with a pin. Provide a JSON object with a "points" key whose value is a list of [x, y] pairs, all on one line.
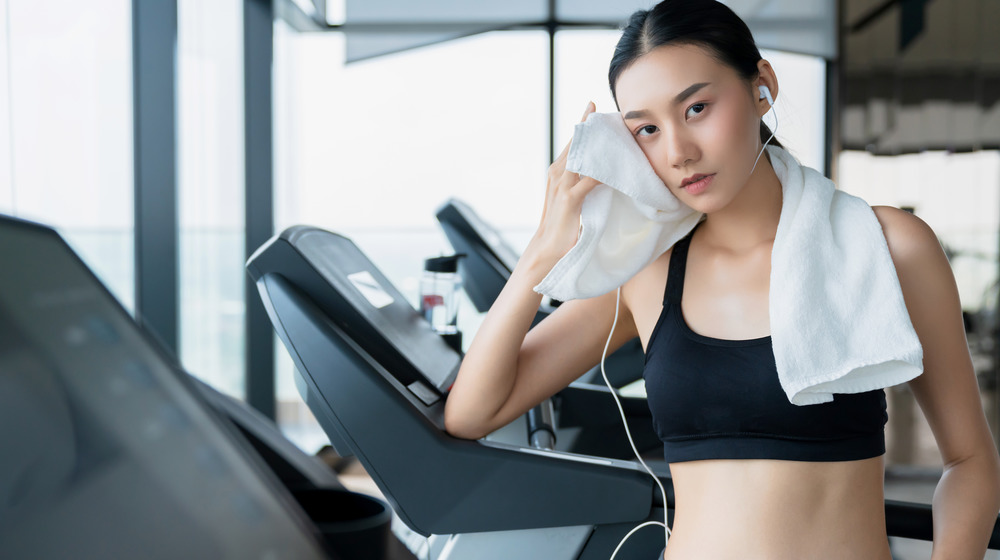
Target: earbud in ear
{"points": [[765, 93]]}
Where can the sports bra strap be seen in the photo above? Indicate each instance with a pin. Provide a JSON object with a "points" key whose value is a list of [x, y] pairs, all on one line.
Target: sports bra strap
{"points": [[678, 262]]}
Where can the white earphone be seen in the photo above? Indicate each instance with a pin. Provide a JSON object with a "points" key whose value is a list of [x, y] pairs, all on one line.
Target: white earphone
{"points": [[765, 93]]}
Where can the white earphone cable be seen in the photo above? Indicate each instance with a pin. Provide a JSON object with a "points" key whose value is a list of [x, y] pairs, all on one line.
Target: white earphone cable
{"points": [[614, 393], [773, 131]]}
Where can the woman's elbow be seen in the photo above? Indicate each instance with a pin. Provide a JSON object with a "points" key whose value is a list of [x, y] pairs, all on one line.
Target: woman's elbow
{"points": [[459, 427]]}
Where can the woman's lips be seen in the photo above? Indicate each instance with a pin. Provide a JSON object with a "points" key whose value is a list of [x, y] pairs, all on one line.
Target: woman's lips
{"points": [[700, 185]]}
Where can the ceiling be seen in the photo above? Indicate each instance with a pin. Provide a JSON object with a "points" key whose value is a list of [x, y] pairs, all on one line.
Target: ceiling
{"points": [[378, 27], [920, 74]]}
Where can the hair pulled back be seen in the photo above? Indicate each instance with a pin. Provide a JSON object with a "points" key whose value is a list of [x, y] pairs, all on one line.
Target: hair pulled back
{"points": [[706, 23]]}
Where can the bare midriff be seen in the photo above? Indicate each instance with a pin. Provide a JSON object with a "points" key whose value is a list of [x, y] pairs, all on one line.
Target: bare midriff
{"points": [[761, 509]]}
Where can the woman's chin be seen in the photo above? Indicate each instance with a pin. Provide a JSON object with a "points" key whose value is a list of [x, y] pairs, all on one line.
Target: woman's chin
{"points": [[699, 204]]}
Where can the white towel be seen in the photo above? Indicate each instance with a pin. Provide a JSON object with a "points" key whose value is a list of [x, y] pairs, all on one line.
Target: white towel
{"points": [[838, 320]]}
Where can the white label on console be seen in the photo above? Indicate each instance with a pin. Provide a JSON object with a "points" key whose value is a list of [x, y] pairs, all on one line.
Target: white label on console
{"points": [[370, 288]]}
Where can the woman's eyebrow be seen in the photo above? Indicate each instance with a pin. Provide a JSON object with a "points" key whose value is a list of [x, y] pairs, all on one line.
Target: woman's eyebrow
{"points": [[680, 98]]}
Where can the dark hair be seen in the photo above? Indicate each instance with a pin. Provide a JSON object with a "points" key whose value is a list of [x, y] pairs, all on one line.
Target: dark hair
{"points": [[705, 23]]}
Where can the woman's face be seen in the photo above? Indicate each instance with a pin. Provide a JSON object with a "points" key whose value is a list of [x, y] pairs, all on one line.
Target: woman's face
{"points": [[691, 114]]}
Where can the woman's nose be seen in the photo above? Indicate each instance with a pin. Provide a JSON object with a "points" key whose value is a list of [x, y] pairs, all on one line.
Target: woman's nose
{"points": [[679, 148]]}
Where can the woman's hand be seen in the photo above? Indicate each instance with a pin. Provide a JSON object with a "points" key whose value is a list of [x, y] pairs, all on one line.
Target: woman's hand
{"points": [[559, 228]]}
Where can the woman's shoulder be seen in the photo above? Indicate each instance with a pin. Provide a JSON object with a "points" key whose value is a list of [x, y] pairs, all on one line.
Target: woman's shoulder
{"points": [[646, 287], [908, 237], [922, 266]]}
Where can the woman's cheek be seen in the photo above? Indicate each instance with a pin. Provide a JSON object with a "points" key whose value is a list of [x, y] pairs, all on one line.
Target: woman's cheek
{"points": [[726, 130]]}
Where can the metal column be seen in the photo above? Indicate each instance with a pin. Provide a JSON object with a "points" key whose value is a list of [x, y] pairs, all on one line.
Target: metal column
{"points": [[258, 50], [154, 78]]}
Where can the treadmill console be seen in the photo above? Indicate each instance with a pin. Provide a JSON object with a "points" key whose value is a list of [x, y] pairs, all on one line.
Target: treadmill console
{"points": [[108, 449], [364, 304]]}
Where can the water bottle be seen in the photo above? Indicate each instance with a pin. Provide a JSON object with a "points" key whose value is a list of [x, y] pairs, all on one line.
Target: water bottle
{"points": [[439, 287]]}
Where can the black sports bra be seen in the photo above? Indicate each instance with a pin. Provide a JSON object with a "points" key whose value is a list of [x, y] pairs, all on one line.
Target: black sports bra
{"points": [[714, 398]]}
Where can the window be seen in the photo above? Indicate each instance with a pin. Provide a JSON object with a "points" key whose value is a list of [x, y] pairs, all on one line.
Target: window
{"points": [[66, 128], [211, 191]]}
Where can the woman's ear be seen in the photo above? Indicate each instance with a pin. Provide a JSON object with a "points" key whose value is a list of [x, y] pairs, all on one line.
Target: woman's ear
{"points": [[766, 77]]}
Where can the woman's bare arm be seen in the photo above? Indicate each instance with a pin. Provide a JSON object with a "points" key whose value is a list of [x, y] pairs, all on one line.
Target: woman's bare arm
{"points": [[967, 498], [508, 370]]}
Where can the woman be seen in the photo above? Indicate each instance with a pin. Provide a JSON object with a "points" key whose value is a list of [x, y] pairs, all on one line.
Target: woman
{"points": [[685, 76]]}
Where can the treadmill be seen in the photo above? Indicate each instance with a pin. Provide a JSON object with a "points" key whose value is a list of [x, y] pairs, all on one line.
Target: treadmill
{"points": [[376, 376], [111, 450]]}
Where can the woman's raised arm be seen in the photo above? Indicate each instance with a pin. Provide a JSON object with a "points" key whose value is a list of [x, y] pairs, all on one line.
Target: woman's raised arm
{"points": [[509, 369]]}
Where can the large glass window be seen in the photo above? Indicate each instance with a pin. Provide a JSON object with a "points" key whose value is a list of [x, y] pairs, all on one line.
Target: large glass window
{"points": [[210, 191], [66, 127], [938, 186], [582, 59], [370, 150]]}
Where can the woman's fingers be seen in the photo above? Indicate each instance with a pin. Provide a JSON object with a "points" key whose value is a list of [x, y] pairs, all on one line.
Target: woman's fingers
{"points": [[583, 187], [590, 109], [586, 184], [565, 152], [561, 180]]}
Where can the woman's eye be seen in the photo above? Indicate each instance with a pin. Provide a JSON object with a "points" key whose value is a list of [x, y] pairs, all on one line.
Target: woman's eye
{"points": [[702, 105], [649, 129]]}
